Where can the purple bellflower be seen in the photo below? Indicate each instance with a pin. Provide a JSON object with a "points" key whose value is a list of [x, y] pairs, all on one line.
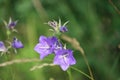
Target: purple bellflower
{"points": [[47, 45], [17, 43], [64, 58], [2, 47], [53, 24], [63, 29], [11, 24], [57, 26]]}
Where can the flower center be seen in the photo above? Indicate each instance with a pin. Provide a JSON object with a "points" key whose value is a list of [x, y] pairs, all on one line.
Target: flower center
{"points": [[65, 59]]}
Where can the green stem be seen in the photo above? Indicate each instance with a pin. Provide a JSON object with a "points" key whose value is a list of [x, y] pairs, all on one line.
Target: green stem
{"points": [[69, 74], [90, 71], [82, 72], [8, 33], [86, 62]]}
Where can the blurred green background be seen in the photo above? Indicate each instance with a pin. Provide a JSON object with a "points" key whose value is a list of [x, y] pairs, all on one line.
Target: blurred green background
{"points": [[94, 23]]}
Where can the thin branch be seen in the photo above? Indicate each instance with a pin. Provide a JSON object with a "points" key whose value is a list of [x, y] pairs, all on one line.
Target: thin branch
{"points": [[115, 7], [77, 46], [41, 66], [73, 42], [119, 46], [82, 72], [40, 10], [18, 61]]}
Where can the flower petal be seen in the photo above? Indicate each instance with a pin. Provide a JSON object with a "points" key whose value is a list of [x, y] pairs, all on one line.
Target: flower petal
{"points": [[42, 39], [2, 47], [64, 58], [64, 67], [17, 43], [63, 29], [43, 49]]}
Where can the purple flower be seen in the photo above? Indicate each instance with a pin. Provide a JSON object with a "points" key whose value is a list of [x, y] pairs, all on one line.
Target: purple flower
{"points": [[64, 58], [53, 24], [17, 43], [63, 29], [47, 46], [2, 47], [12, 24]]}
